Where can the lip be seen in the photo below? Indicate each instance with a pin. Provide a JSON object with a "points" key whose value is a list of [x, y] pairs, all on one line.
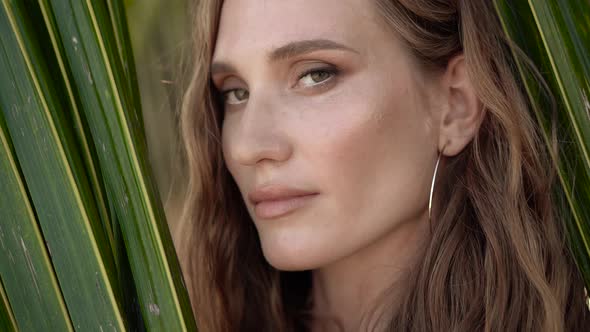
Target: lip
{"points": [[273, 201]]}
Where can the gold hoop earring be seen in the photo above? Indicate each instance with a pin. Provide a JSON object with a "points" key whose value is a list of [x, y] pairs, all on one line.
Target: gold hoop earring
{"points": [[433, 181]]}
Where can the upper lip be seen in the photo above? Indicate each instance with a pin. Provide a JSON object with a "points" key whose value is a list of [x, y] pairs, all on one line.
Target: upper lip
{"points": [[273, 192]]}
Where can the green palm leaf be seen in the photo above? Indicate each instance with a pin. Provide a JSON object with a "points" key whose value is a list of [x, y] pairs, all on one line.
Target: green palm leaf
{"points": [[71, 105], [97, 71], [555, 34], [7, 321], [24, 262], [54, 175]]}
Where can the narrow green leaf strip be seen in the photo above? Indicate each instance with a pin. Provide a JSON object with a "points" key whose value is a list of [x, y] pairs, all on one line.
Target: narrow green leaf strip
{"points": [[7, 321], [25, 266], [138, 171], [81, 270]]}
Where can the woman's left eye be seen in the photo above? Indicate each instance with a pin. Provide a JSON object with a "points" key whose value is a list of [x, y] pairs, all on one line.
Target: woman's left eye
{"points": [[316, 77]]}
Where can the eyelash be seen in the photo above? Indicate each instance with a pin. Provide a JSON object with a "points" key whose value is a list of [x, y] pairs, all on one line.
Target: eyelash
{"points": [[333, 72]]}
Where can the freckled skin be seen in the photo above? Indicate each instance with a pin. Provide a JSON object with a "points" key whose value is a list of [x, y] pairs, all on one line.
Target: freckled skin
{"points": [[363, 140]]}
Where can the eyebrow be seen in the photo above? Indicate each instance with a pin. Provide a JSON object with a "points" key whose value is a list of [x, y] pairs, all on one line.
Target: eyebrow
{"points": [[289, 50]]}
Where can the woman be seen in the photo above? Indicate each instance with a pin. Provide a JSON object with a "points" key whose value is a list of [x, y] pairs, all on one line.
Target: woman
{"points": [[368, 165]]}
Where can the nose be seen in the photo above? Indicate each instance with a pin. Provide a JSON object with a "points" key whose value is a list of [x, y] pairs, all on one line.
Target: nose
{"points": [[257, 134]]}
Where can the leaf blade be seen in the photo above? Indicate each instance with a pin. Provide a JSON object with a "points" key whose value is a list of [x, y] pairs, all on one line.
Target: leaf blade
{"points": [[25, 267], [53, 176]]}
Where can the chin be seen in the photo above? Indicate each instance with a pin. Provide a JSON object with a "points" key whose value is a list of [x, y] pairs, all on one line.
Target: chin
{"points": [[286, 257], [287, 265]]}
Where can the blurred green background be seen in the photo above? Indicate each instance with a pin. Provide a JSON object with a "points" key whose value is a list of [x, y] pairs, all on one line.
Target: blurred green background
{"points": [[160, 39]]}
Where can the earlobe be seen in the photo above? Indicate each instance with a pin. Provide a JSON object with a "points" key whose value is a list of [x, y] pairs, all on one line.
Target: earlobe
{"points": [[463, 113]]}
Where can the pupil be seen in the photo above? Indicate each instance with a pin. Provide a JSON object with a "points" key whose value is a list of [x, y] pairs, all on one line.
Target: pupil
{"points": [[317, 76], [241, 94]]}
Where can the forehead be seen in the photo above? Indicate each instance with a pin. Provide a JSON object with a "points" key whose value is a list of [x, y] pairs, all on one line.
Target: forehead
{"points": [[262, 25]]}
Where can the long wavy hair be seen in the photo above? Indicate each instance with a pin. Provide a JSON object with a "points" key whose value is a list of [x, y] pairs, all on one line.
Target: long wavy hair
{"points": [[497, 257]]}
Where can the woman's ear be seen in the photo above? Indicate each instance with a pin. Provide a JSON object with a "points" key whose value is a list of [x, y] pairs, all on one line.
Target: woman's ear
{"points": [[462, 114]]}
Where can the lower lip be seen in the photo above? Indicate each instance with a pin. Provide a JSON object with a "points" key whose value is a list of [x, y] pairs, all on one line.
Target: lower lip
{"points": [[278, 208]]}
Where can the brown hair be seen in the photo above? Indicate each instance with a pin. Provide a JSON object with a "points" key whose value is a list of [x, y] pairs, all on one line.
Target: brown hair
{"points": [[497, 259]]}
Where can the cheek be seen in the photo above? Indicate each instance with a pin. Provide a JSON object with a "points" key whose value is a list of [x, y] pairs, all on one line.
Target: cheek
{"points": [[227, 143], [374, 156], [369, 128]]}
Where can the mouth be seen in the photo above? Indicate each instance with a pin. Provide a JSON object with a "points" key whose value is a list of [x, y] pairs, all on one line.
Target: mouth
{"points": [[269, 209]]}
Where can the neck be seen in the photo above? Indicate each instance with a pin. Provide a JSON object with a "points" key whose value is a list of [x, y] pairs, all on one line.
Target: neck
{"points": [[349, 289]]}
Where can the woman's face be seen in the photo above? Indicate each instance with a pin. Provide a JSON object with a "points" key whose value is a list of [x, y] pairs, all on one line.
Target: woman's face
{"points": [[321, 99]]}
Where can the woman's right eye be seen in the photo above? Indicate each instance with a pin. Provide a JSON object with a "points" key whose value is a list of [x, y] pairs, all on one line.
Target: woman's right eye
{"points": [[235, 96]]}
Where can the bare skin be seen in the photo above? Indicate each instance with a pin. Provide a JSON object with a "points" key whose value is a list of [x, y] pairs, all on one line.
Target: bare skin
{"points": [[345, 113]]}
